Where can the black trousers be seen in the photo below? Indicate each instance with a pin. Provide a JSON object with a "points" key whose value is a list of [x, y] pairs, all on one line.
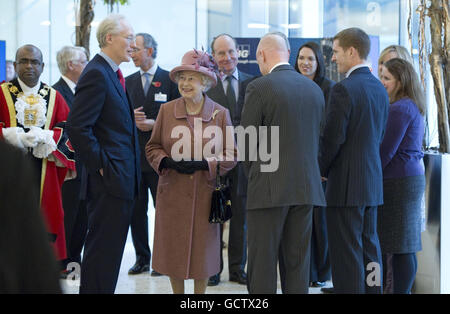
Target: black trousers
{"points": [[320, 261], [139, 219], [108, 222], [237, 238], [279, 235], [75, 220], [354, 247]]}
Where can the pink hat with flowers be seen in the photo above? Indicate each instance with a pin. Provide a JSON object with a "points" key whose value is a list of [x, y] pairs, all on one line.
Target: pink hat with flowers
{"points": [[197, 61]]}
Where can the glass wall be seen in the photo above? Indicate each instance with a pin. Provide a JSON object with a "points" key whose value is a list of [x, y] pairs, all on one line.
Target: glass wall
{"points": [[304, 18], [50, 24], [179, 25]]}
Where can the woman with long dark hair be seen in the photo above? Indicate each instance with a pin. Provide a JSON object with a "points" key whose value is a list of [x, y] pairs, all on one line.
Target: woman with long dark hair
{"points": [[311, 64]]}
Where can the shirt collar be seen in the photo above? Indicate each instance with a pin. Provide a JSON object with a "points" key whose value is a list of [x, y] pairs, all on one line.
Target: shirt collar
{"points": [[151, 71], [70, 83], [33, 90], [235, 75], [111, 63], [278, 64], [362, 65]]}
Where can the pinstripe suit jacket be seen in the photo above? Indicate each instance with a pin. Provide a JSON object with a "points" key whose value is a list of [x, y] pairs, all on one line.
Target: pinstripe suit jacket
{"points": [[350, 143], [293, 103]]}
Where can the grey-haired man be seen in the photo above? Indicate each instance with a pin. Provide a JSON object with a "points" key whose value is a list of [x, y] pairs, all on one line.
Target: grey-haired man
{"points": [[148, 89]]}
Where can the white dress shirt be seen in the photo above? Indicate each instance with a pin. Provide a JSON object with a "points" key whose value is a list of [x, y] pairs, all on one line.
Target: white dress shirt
{"points": [[362, 65], [235, 83], [25, 89], [69, 82], [278, 64], [151, 71]]}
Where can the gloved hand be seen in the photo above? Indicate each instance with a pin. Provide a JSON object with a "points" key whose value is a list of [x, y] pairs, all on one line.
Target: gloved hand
{"points": [[194, 165], [185, 167], [42, 136], [17, 137], [29, 140], [46, 144]]}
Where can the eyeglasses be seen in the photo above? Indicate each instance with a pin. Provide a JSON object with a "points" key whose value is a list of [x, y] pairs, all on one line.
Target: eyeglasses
{"points": [[33, 62], [83, 62], [130, 38]]}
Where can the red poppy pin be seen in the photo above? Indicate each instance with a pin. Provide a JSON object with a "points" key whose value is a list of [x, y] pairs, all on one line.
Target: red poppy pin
{"points": [[156, 84]]}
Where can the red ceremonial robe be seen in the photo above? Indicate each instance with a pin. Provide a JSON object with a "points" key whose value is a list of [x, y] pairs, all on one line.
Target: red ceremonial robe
{"points": [[52, 176]]}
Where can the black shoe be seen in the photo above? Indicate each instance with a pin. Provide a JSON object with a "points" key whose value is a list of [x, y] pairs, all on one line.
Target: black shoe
{"points": [[317, 284], [239, 277], [139, 268], [214, 280], [327, 290], [155, 274]]}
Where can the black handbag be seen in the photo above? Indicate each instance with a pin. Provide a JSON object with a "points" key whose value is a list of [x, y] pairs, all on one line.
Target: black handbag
{"points": [[221, 201]]}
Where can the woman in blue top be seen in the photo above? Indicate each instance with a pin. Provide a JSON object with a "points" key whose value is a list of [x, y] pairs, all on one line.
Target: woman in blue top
{"points": [[399, 219]]}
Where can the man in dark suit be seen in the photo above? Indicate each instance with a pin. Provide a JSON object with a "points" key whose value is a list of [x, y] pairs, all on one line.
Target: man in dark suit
{"points": [[148, 89], [103, 132], [284, 108], [349, 157], [230, 92], [71, 63]]}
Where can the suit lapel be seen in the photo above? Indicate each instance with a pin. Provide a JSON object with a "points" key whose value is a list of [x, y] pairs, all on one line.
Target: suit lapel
{"points": [[138, 89], [116, 84], [152, 88], [218, 94], [67, 93]]}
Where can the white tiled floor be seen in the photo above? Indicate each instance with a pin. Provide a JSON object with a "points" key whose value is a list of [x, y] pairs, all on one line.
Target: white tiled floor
{"points": [[145, 284]]}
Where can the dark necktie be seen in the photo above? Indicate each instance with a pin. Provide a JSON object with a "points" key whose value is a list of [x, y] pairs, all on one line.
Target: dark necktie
{"points": [[147, 83], [121, 79], [231, 95]]}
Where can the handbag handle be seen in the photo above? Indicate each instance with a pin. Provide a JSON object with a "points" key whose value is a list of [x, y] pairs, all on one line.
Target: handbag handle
{"points": [[217, 174]]}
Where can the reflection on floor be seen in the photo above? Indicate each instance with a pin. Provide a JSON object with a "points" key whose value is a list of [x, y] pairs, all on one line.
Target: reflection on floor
{"points": [[145, 284]]}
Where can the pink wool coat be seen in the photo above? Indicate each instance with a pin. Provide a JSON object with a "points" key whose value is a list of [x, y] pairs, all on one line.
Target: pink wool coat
{"points": [[186, 245]]}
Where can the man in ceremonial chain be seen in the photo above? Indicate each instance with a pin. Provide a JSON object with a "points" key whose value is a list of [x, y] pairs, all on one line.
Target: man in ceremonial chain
{"points": [[32, 118]]}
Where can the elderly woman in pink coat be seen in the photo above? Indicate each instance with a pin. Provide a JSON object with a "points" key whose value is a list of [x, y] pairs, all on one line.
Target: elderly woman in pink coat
{"points": [[191, 135]]}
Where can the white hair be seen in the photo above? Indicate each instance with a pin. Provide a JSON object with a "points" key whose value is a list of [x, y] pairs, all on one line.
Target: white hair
{"points": [[110, 25], [207, 82], [66, 54]]}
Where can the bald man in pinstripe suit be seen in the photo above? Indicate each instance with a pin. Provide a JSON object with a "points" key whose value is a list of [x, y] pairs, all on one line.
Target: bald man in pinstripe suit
{"points": [[280, 201]]}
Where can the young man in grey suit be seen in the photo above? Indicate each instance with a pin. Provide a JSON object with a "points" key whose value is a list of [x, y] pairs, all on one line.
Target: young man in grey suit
{"points": [[148, 89], [280, 199], [230, 93], [349, 157]]}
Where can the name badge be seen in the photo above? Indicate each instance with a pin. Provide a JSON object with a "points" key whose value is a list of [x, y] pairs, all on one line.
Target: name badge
{"points": [[160, 97]]}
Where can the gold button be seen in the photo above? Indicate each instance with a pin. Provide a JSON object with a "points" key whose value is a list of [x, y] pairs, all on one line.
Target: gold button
{"points": [[191, 177]]}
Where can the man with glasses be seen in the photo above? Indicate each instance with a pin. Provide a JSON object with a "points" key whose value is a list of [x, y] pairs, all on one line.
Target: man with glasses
{"points": [[71, 62], [32, 118], [148, 89], [103, 132]]}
